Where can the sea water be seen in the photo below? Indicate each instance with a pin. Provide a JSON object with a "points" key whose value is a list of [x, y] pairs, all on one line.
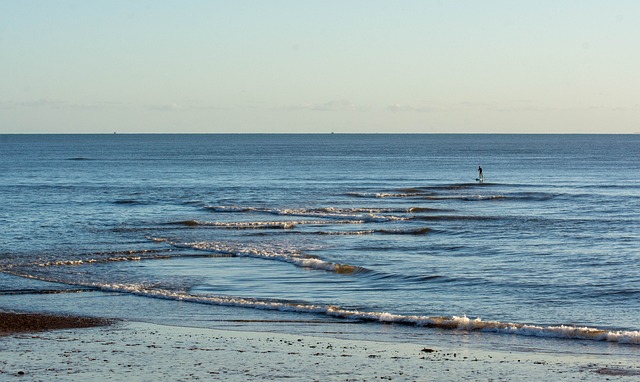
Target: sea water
{"points": [[364, 231]]}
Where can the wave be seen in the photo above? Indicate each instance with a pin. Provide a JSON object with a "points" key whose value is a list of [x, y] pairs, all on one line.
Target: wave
{"points": [[415, 231], [333, 216], [91, 258], [468, 198], [418, 191], [89, 261], [454, 218], [239, 225], [367, 210], [131, 202], [378, 195], [462, 323], [533, 196], [97, 260], [454, 186], [261, 224], [324, 212], [477, 324], [289, 224], [427, 196], [287, 256], [410, 278], [428, 209], [458, 323], [338, 233], [463, 192]]}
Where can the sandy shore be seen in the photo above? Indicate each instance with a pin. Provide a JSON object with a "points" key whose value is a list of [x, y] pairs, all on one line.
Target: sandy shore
{"points": [[143, 352]]}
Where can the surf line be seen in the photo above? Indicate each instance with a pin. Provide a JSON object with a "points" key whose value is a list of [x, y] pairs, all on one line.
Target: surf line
{"points": [[462, 323]]}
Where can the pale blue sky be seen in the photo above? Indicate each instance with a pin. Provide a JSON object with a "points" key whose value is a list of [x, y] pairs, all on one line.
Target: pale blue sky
{"points": [[320, 66]]}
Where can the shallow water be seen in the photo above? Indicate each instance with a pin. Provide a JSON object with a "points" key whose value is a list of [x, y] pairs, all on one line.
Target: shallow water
{"points": [[345, 228]]}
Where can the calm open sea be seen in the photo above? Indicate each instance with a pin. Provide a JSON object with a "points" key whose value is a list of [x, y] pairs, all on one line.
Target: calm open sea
{"points": [[349, 230]]}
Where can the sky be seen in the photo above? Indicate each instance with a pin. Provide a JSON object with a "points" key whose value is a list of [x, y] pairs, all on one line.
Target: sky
{"points": [[343, 66]]}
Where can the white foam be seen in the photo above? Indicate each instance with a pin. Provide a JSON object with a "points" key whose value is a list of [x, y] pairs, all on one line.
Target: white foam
{"points": [[461, 323], [283, 255], [89, 261], [246, 225], [385, 194], [321, 211]]}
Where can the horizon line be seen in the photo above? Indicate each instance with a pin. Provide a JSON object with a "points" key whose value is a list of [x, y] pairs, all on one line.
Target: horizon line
{"points": [[312, 133]]}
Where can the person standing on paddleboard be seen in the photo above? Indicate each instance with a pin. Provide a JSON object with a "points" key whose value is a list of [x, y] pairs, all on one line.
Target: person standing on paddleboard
{"points": [[480, 176]]}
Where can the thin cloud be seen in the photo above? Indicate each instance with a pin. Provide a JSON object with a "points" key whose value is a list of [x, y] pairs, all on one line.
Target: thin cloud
{"points": [[58, 104], [66, 105], [33, 104], [398, 108], [166, 107], [515, 106], [335, 105]]}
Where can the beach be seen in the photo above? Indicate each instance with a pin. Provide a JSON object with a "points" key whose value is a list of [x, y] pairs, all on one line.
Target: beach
{"points": [[136, 351]]}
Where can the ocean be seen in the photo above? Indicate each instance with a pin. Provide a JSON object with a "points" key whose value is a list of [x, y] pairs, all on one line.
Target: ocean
{"points": [[369, 236]]}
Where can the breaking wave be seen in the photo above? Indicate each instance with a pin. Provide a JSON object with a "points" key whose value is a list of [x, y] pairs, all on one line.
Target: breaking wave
{"points": [[377, 195], [243, 225], [351, 213], [288, 256], [461, 323], [92, 258], [289, 226], [307, 211], [463, 193], [416, 231]]}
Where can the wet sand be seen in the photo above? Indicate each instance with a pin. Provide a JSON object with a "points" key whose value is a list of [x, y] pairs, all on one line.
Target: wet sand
{"points": [[136, 351], [11, 322]]}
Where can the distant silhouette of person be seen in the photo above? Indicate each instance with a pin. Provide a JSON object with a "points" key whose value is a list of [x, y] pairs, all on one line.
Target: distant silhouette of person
{"points": [[480, 175]]}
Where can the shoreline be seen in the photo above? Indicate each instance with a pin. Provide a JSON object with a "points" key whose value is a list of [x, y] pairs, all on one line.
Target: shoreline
{"points": [[139, 351]]}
